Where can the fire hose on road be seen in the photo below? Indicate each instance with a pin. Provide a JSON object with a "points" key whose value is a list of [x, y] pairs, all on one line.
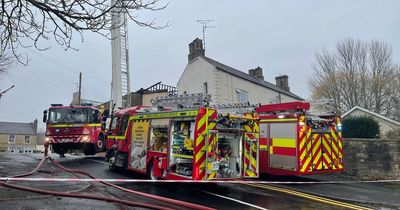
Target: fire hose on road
{"points": [[96, 197]]}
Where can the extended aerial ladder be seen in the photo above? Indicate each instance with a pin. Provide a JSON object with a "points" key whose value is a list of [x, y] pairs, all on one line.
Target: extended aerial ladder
{"points": [[120, 85]]}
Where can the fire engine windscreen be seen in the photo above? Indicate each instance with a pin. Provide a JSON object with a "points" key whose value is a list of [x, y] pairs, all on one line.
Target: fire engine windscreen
{"points": [[73, 115]]}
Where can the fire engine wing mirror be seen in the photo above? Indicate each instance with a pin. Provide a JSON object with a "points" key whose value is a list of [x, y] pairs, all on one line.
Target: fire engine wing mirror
{"points": [[105, 115], [45, 116], [103, 126]]}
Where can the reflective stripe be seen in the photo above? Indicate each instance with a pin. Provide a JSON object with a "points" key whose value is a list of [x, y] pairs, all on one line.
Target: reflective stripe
{"points": [[191, 113], [279, 120], [74, 125], [282, 142]]}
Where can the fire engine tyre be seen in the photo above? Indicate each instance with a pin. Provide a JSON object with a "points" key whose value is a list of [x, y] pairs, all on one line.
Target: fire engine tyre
{"points": [[150, 172], [59, 149], [112, 161], [100, 144], [89, 149]]}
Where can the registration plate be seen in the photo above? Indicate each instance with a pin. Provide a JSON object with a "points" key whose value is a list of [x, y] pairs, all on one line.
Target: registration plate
{"points": [[65, 140]]}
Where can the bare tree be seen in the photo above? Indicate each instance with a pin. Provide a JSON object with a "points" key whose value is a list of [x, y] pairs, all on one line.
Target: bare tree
{"points": [[6, 62], [357, 73], [26, 23]]}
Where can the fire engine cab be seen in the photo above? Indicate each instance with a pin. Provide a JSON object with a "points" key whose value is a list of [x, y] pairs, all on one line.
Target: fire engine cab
{"points": [[177, 141], [299, 138], [73, 128]]}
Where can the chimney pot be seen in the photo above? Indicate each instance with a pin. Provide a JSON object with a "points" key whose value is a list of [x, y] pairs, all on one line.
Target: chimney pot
{"points": [[283, 82], [256, 73]]}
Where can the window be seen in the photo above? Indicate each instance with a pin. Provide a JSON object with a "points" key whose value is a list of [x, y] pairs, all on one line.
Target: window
{"points": [[205, 88], [124, 125], [27, 140], [113, 123], [242, 96], [11, 139], [95, 116], [68, 115]]}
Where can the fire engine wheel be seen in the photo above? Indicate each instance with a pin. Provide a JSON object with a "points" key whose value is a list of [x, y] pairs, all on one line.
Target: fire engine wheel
{"points": [[100, 144], [112, 162], [89, 149], [150, 172], [59, 149]]}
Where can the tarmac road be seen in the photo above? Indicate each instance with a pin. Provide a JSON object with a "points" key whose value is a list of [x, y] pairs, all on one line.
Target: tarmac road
{"points": [[220, 196]]}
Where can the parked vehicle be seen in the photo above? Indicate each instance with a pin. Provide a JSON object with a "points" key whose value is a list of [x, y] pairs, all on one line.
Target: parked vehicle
{"points": [[296, 141], [74, 128], [187, 144]]}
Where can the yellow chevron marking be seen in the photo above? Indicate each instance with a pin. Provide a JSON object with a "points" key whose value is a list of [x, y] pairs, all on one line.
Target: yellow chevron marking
{"points": [[253, 161], [302, 142], [326, 146], [199, 154], [304, 166], [254, 148], [200, 138], [250, 173], [327, 158], [304, 151], [201, 122], [212, 175]]}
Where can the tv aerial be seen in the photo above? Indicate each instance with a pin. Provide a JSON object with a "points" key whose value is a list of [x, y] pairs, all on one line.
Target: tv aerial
{"points": [[205, 25]]}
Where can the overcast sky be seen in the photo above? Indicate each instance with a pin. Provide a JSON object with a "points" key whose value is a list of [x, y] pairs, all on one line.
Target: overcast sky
{"points": [[279, 36]]}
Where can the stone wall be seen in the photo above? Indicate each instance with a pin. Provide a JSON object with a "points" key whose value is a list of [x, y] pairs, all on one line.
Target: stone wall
{"points": [[371, 159]]}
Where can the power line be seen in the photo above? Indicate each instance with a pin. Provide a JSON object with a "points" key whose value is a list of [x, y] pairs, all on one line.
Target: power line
{"points": [[40, 90], [68, 68]]}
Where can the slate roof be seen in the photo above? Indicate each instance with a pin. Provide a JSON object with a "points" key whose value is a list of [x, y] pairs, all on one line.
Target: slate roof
{"points": [[371, 113], [243, 75], [17, 128]]}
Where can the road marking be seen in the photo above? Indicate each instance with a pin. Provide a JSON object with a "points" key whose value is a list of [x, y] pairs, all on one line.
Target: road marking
{"points": [[238, 201], [97, 161], [311, 197]]}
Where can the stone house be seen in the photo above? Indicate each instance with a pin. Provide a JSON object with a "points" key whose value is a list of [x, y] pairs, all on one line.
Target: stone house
{"points": [[229, 85], [18, 137], [385, 124]]}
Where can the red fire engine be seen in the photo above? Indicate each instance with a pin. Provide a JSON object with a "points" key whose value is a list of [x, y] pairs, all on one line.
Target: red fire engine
{"points": [[183, 144], [296, 141], [74, 128]]}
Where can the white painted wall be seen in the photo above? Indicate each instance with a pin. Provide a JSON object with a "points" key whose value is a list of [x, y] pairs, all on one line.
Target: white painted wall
{"points": [[195, 74], [227, 84], [222, 86]]}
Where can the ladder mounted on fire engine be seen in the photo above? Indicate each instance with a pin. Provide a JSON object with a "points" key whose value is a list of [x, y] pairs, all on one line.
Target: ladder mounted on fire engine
{"points": [[189, 101], [185, 101]]}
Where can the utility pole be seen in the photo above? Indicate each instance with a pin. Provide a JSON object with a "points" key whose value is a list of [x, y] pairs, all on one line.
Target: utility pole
{"points": [[205, 25], [80, 88]]}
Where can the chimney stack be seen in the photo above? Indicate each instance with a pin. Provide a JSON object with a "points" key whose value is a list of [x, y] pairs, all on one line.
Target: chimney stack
{"points": [[196, 49], [256, 73], [283, 82], [35, 125]]}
